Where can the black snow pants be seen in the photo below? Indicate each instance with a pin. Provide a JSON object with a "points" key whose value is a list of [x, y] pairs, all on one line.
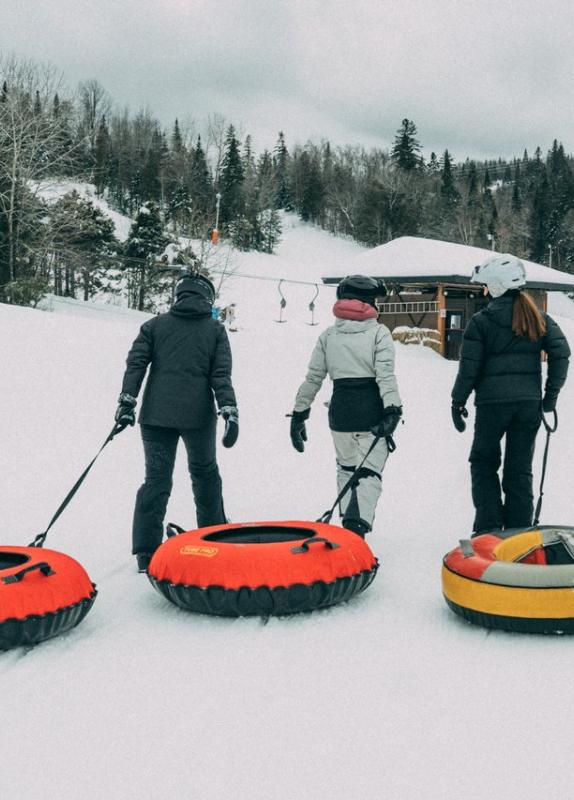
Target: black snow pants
{"points": [[160, 445], [519, 422]]}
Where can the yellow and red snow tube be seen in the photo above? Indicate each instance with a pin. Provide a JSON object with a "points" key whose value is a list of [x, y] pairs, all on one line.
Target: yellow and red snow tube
{"points": [[262, 568], [43, 593], [516, 580]]}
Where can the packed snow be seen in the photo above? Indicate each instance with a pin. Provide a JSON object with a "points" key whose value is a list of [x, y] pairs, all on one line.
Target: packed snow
{"points": [[389, 696]]}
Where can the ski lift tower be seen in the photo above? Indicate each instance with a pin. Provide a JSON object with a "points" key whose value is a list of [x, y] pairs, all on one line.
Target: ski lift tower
{"points": [[215, 231]]}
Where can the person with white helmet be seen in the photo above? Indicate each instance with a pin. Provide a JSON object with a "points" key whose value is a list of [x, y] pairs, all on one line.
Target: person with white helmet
{"points": [[501, 362], [358, 355]]}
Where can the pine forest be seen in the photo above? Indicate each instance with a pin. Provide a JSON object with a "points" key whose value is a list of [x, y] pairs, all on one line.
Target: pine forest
{"points": [[195, 183]]}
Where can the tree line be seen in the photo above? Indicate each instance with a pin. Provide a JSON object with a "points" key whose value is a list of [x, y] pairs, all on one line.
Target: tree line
{"points": [[179, 185]]}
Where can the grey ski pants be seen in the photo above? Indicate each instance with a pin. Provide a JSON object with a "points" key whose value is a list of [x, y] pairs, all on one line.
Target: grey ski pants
{"points": [[361, 501]]}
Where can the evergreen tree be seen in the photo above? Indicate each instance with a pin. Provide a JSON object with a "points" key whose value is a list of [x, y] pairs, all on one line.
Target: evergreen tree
{"points": [[269, 224], [433, 167], [449, 193], [487, 181], [538, 223], [179, 208], [244, 228], [231, 180], [516, 202], [406, 148], [152, 172], [145, 243], [200, 190], [176, 139], [471, 185], [84, 245], [266, 181], [313, 192], [561, 198], [101, 154], [281, 159]]}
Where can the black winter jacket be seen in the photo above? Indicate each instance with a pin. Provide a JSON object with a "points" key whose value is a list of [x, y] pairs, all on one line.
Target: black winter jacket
{"points": [[502, 367], [190, 361]]}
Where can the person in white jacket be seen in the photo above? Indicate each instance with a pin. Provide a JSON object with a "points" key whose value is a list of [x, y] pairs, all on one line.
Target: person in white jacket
{"points": [[358, 355]]}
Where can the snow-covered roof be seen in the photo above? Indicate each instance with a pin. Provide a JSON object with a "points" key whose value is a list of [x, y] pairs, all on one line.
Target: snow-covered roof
{"points": [[411, 257]]}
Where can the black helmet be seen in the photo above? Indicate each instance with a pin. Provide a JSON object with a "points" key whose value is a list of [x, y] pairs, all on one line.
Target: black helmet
{"points": [[195, 284], [361, 287]]}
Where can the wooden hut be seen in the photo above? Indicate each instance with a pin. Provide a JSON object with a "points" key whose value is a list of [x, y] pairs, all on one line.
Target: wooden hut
{"points": [[430, 295]]}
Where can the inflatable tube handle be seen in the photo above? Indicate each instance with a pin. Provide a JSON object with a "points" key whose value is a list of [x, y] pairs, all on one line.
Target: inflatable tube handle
{"points": [[173, 530], [467, 548], [304, 546], [43, 566]]}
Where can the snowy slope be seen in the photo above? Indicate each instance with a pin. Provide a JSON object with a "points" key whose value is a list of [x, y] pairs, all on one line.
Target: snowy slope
{"points": [[391, 696]]}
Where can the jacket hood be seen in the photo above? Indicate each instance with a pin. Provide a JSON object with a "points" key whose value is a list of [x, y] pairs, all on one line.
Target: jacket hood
{"points": [[354, 326], [500, 310], [192, 306], [354, 309]]}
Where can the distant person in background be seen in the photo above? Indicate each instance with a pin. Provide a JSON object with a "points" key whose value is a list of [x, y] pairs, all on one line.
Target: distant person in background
{"points": [[231, 318], [190, 362], [358, 355], [501, 362], [227, 316]]}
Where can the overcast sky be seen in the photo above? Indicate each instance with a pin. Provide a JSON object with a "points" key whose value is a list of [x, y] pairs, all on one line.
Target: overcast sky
{"points": [[481, 77]]}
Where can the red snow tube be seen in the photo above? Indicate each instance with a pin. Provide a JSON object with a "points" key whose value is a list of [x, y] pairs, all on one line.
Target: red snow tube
{"points": [[42, 593], [262, 568]]}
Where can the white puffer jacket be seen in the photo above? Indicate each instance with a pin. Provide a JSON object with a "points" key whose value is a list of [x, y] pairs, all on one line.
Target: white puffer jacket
{"points": [[359, 357]]}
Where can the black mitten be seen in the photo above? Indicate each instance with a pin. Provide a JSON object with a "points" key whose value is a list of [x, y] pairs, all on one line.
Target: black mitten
{"points": [[298, 431], [459, 414], [231, 416], [388, 424], [125, 412]]}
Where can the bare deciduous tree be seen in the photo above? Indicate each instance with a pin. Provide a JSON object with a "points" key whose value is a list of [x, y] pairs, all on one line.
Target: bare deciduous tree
{"points": [[34, 144], [95, 104]]}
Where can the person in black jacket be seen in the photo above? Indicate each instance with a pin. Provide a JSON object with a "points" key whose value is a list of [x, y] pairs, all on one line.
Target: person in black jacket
{"points": [[501, 362], [190, 361]]}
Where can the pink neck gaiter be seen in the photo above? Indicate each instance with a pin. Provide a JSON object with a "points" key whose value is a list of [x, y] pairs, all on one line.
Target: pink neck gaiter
{"points": [[354, 309]]}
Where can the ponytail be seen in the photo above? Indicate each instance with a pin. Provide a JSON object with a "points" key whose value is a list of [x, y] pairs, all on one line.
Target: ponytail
{"points": [[526, 318]]}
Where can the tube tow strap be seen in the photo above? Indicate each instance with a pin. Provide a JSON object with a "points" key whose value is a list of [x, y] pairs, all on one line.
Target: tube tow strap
{"points": [[41, 537]]}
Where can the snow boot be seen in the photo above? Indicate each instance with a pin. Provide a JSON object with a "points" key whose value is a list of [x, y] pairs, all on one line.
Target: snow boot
{"points": [[358, 526]]}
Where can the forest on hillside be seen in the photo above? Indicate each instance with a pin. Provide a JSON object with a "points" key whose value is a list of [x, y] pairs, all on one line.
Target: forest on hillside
{"points": [[180, 184]]}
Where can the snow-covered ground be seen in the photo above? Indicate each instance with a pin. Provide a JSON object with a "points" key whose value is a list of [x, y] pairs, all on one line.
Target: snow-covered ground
{"points": [[390, 696]]}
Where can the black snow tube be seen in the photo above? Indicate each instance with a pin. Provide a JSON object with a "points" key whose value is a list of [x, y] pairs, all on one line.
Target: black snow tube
{"points": [[262, 568], [43, 593]]}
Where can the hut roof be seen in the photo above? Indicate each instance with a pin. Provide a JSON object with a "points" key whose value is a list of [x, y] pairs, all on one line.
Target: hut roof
{"points": [[410, 259]]}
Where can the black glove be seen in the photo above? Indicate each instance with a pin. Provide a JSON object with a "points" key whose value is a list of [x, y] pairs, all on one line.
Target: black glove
{"points": [[298, 431], [387, 426], [549, 403], [459, 414], [231, 416], [125, 414]]}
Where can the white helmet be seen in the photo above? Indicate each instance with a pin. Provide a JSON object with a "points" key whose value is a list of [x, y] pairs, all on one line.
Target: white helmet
{"points": [[500, 273]]}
